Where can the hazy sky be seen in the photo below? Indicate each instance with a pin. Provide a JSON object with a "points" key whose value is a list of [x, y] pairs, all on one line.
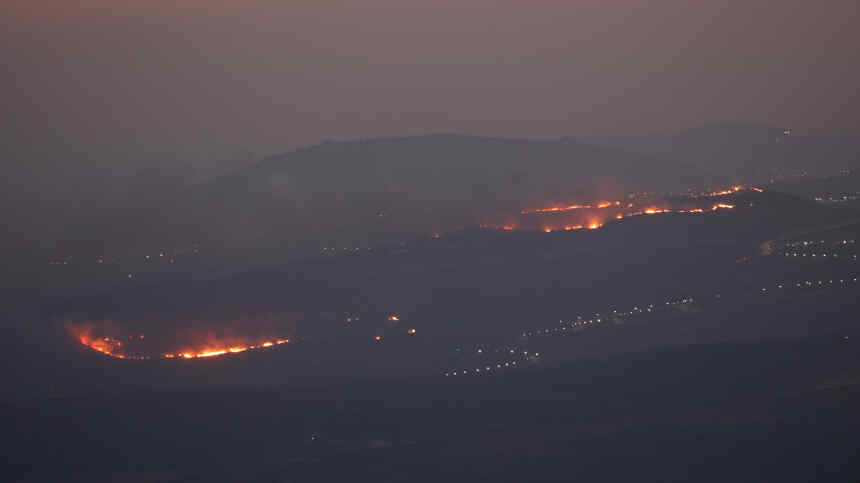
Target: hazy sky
{"points": [[97, 87]]}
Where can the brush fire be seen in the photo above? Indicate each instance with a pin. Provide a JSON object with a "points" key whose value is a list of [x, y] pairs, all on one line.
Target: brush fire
{"points": [[591, 216], [112, 341]]}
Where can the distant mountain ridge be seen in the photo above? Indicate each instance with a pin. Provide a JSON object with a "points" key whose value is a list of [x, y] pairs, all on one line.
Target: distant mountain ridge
{"points": [[745, 152], [380, 187], [359, 192]]}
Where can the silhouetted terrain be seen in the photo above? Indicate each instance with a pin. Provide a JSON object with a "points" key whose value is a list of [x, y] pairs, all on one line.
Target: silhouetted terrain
{"points": [[418, 344], [732, 153], [367, 191], [728, 411], [459, 291], [842, 189], [372, 190], [388, 241], [656, 347]]}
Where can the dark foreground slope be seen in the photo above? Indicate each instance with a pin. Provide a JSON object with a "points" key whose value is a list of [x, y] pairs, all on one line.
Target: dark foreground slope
{"points": [[468, 291], [748, 372], [726, 412]]}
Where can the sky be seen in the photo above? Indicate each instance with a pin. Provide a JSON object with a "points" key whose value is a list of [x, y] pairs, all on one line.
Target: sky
{"points": [[99, 92]]}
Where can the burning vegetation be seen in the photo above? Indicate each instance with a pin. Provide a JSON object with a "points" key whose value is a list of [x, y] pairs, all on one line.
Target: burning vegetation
{"points": [[591, 216], [114, 341]]}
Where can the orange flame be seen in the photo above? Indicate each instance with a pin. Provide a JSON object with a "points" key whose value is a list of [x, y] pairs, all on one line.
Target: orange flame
{"points": [[726, 191], [116, 348], [614, 210], [219, 351], [554, 209]]}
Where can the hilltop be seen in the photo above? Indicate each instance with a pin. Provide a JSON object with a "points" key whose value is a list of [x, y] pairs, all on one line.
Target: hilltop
{"points": [[388, 188]]}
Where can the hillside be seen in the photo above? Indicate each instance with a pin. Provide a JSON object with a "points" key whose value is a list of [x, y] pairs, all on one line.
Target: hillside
{"points": [[387, 188], [745, 153], [841, 188], [474, 286]]}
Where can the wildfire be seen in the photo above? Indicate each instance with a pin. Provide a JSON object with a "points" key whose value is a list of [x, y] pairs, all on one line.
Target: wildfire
{"points": [[729, 191], [554, 209], [726, 191], [608, 204], [212, 352], [108, 346], [550, 217], [135, 348]]}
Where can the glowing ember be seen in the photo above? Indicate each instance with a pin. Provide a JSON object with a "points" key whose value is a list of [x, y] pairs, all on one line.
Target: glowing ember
{"points": [[726, 191], [219, 351], [595, 215], [554, 209], [137, 349]]}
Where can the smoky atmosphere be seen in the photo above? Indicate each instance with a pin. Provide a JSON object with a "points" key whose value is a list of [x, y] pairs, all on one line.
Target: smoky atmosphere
{"points": [[463, 240]]}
